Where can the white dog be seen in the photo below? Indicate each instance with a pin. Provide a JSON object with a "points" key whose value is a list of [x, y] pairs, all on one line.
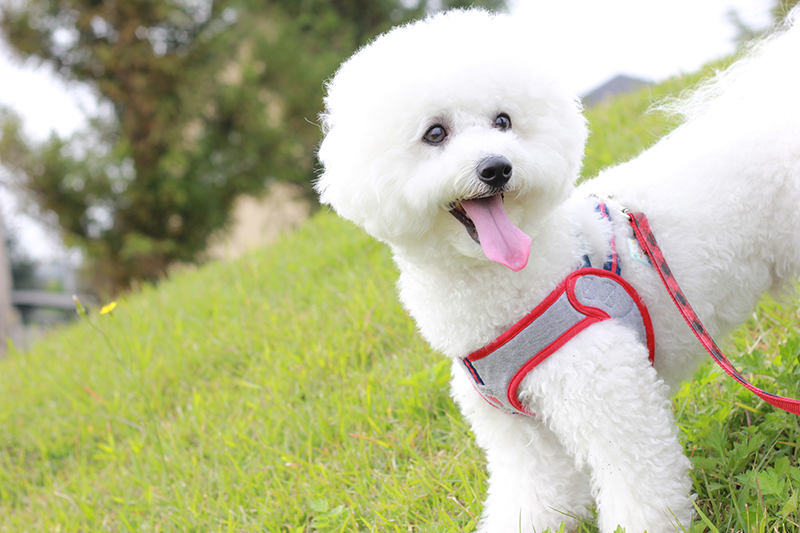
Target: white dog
{"points": [[445, 140]]}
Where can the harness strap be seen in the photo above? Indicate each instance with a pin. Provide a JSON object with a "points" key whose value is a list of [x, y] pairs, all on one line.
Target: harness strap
{"points": [[647, 241], [612, 259]]}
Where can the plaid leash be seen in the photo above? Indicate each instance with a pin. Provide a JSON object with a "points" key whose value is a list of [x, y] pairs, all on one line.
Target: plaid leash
{"points": [[647, 241]]}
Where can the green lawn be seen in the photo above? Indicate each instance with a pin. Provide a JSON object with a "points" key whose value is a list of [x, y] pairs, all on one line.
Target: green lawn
{"points": [[288, 392]]}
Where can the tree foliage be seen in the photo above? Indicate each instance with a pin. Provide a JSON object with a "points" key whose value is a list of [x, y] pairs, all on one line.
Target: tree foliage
{"points": [[208, 99]]}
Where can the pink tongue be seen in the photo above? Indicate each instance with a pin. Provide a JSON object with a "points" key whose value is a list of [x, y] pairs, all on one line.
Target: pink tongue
{"points": [[502, 241]]}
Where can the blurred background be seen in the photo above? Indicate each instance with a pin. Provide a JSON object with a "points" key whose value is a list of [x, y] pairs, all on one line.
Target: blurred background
{"points": [[141, 135]]}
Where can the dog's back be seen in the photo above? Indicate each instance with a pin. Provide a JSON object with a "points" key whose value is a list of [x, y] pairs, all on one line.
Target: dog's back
{"points": [[722, 191]]}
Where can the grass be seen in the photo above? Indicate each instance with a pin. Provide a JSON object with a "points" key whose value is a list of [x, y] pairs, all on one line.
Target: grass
{"points": [[289, 392], [260, 395]]}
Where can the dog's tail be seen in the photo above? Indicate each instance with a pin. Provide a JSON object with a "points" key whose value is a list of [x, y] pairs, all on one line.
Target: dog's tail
{"points": [[767, 78]]}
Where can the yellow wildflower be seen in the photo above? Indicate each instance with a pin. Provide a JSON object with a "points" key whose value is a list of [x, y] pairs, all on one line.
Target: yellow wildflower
{"points": [[108, 308]]}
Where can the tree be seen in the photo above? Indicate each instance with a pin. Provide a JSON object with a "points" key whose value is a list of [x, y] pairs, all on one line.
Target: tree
{"points": [[208, 99]]}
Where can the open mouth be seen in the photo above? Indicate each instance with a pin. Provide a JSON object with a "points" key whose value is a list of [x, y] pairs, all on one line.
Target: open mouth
{"points": [[460, 213], [488, 225]]}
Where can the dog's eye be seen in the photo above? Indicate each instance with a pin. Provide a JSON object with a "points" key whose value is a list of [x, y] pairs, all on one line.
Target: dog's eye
{"points": [[502, 122], [436, 134]]}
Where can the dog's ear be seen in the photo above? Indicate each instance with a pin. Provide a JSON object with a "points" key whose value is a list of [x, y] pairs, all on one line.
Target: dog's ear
{"points": [[336, 182], [345, 183]]}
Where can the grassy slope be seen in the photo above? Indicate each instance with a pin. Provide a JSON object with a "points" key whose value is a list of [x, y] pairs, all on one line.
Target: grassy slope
{"points": [[288, 391]]}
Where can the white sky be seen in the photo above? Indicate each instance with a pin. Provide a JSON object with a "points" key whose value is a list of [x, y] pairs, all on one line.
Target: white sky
{"points": [[588, 41]]}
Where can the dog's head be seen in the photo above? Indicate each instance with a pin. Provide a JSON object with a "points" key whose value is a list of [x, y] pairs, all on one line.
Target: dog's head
{"points": [[443, 137]]}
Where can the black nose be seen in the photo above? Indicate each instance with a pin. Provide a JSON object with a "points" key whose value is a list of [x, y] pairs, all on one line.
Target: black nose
{"points": [[495, 170]]}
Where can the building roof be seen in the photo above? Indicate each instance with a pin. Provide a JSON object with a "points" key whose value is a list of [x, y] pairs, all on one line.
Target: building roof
{"points": [[619, 84]]}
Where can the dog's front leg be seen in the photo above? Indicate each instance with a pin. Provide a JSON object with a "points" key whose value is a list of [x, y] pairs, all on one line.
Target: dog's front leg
{"points": [[533, 482], [605, 402]]}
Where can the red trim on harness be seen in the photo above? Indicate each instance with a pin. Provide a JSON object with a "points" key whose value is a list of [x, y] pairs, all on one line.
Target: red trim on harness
{"points": [[648, 324], [514, 330], [593, 316], [513, 386]]}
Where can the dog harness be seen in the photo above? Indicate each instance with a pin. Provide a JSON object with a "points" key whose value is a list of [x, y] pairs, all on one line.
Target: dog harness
{"points": [[586, 296]]}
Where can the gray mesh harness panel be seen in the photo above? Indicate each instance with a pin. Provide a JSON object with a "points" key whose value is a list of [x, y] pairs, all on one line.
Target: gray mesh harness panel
{"points": [[585, 297]]}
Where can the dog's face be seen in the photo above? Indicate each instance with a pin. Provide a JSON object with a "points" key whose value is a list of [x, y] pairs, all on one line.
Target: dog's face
{"points": [[443, 137]]}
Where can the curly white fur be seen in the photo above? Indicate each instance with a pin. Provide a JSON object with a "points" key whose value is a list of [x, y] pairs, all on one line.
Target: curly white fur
{"points": [[722, 194]]}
